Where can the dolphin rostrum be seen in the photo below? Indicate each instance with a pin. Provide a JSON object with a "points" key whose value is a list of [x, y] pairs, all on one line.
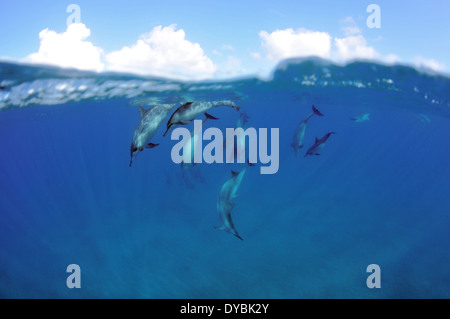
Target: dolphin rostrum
{"points": [[300, 130], [318, 144], [150, 121], [190, 110], [224, 205]]}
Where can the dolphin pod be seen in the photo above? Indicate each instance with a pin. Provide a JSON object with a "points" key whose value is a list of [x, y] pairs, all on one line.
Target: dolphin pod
{"points": [[299, 134], [152, 118]]}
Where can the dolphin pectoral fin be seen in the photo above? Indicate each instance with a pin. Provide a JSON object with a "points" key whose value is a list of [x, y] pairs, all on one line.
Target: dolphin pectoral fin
{"points": [[209, 116], [317, 154], [151, 145], [233, 173]]}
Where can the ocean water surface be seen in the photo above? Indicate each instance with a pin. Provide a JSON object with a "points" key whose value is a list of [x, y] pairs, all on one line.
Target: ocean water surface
{"points": [[379, 193]]}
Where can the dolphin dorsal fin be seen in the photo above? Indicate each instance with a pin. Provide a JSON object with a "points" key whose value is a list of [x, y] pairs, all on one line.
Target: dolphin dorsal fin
{"points": [[233, 173], [142, 111], [185, 105], [316, 111]]}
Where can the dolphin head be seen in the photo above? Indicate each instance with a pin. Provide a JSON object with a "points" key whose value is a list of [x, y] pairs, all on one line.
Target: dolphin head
{"points": [[235, 233], [169, 125], [172, 120], [134, 151]]}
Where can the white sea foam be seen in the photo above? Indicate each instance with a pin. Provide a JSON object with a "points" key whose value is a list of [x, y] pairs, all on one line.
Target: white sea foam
{"points": [[60, 91]]}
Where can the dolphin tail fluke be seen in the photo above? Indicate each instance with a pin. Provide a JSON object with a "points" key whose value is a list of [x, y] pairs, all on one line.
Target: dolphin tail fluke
{"points": [[316, 111], [210, 117]]}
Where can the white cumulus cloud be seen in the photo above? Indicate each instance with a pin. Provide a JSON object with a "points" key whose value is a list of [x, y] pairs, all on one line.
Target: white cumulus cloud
{"points": [[163, 52], [287, 43], [68, 49], [354, 47]]}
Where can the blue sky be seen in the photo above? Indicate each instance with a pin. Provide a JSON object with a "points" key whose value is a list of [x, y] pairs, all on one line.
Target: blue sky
{"points": [[233, 37]]}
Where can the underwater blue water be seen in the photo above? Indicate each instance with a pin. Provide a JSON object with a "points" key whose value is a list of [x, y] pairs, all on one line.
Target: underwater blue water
{"points": [[379, 193]]}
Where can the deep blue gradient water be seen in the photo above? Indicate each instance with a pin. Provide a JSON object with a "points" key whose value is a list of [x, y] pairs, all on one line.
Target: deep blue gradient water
{"points": [[379, 193]]}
